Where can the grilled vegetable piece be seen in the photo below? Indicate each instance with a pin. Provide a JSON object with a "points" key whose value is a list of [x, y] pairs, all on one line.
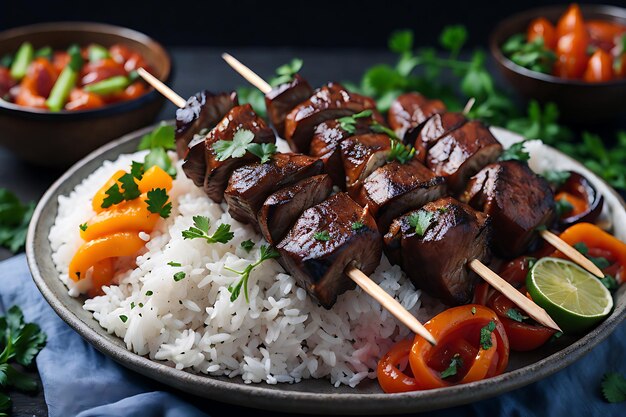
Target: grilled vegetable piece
{"points": [[283, 98], [410, 110], [318, 263], [251, 184], [202, 164], [281, 209], [517, 200], [463, 152], [436, 258], [325, 144], [329, 102], [203, 110], [438, 126], [361, 155], [396, 188]]}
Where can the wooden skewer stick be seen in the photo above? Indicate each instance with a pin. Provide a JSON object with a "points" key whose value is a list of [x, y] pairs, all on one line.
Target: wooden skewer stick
{"points": [[520, 300], [389, 303], [247, 73], [469, 105], [162, 88], [571, 252]]}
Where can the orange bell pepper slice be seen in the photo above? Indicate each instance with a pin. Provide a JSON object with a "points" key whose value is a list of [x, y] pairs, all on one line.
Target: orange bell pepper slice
{"points": [[101, 275], [390, 377], [594, 237], [94, 251], [124, 217], [98, 198]]}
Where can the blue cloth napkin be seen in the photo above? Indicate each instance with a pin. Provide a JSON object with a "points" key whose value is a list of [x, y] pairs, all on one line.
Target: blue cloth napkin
{"points": [[80, 381]]}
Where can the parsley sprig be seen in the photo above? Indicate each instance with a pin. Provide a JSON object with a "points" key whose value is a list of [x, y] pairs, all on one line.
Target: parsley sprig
{"points": [[129, 190], [515, 152], [14, 220], [614, 387], [322, 236], [200, 230], [20, 342], [159, 141], [532, 55], [266, 252], [158, 202], [485, 335], [348, 123], [242, 143], [421, 221], [455, 364]]}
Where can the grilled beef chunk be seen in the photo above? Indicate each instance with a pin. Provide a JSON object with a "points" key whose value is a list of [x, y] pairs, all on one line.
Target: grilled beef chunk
{"points": [[394, 189], [202, 165], [326, 139], [324, 241], [361, 155], [251, 184], [517, 200], [283, 98], [463, 152], [437, 260], [281, 209], [329, 102], [202, 111], [410, 110], [434, 129]]}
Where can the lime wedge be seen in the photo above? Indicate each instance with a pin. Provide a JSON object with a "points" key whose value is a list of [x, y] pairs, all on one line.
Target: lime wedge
{"points": [[573, 297]]}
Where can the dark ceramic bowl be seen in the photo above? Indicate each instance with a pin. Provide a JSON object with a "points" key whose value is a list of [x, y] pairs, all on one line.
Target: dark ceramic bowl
{"points": [[60, 139], [312, 396], [578, 101]]}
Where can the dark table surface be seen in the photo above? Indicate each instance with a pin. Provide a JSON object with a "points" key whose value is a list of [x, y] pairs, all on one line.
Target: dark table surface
{"points": [[195, 68]]}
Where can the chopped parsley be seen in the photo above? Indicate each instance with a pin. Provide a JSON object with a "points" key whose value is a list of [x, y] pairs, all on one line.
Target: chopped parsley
{"points": [[137, 170], [149, 293], [608, 281], [179, 276], [614, 387], [158, 202], [357, 225], [247, 245], [158, 142], [348, 123], [455, 363], [473, 311], [174, 264], [286, 72], [123, 318], [83, 227], [242, 143], [420, 221], [400, 152], [129, 191], [515, 314], [266, 252], [200, 230], [485, 335], [515, 152], [322, 236], [132, 305], [563, 207]]}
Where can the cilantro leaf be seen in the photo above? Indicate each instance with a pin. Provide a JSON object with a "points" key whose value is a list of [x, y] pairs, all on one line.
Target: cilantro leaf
{"points": [[179, 276], [113, 196], [129, 190], [455, 363], [266, 252], [286, 72], [515, 314], [358, 225], [157, 202], [400, 152], [263, 151], [254, 97], [348, 123], [159, 157], [14, 220], [247, 245], [137, 169], [614, 387], [235, 148], [533, 55], [563, 207], [20, 380], [83, 227], [555, 177], [453, 38], [200, 230], [174, 264], [5, 404], [123, 318], [161, 137], [322, 236], [485, 335], [515, 152], [421, 221], [401, 41]]}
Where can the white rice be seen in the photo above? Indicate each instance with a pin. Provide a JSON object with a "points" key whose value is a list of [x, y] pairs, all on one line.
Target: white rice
{"points": [[281, 335]]}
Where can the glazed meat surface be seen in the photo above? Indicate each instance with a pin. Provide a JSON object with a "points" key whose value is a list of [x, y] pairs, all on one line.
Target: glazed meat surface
{"points": [[396, 188], [438, 126], [283, 98], [251, 184], [317, 262], [202, 164], [517, 200], [282, 208], [437, 260], [203, 110], [361, 155], [462, 153], [410, 110], [329, 102]]}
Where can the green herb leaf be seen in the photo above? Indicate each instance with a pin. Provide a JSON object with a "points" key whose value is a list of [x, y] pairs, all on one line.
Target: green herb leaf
{"points": [[348, 123], [14, 220], [400, 152], [286, 72], [421, 221], [453, 38], [174, 264], [200, 230], [485, 335], [563, 207], [157, 202], [358, 225], [179, 276], [235, 148], [610, 283], [159, 157], [532, 55], [515, 152], [129, 191], [132, 305], [515, 314], [161, 137], [149, 293], [20, 380], [137, 169], [455, 363], [614, 387], [247, 245], [266, 252], [254, 97], [322, 236], [123, 318], [556, 178], [264, 151], [401, 41]]}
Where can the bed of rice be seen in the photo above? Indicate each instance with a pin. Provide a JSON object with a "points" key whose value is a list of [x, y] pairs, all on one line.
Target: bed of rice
{"points": [[281, 335]]}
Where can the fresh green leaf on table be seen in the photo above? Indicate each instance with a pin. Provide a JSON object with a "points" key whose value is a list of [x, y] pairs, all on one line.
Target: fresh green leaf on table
{"points": [[14, 220], [614, 387]]}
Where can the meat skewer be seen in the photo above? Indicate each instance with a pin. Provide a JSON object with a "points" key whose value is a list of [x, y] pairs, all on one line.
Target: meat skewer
{"points": [[539, 313]]}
